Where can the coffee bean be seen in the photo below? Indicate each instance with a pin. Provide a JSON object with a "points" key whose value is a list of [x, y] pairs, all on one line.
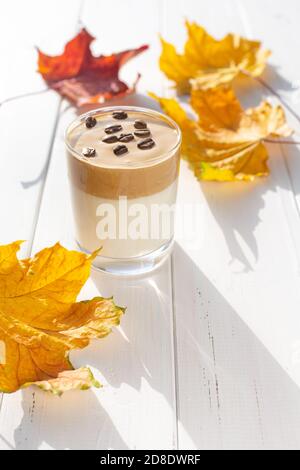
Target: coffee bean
{"points": [[140, 124], [126, 137], [120, 115], [113, 129], [90, 122], [120, 150], [142, 133], [88, 152], [111, 139], [146, 144]]}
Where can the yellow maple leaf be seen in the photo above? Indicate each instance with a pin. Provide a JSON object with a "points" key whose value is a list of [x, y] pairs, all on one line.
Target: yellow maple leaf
{"points": [[40, 321], [225, 143], [207, 62], [80, 379]]}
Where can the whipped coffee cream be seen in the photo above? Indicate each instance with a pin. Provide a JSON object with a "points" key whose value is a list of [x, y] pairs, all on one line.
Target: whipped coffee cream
{"points": [[116, 154], [127, 163]]}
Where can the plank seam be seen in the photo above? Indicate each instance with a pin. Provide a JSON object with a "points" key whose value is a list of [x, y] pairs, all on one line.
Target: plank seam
{"points": [[48, 160], [164, 88], [50, 151], [293, 236], [175, 355], [43, 186], [47, 167]]}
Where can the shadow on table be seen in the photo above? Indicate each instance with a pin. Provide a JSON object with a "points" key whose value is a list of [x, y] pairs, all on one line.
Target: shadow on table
{"points": [[75, 421], [272, 76], [86, 424], [232, 392], [145, 327], [227, 361], [236, 208], [251, 91]]}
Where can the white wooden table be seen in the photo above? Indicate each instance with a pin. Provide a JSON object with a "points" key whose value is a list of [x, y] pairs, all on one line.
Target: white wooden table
{"points": [[208, 354]]}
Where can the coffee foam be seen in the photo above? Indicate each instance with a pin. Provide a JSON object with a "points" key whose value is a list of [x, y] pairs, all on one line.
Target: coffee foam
{"points": [[137, 173]]}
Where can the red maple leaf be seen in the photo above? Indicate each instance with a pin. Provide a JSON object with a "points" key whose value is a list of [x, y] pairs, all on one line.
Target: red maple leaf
{"points": [[83, 78]]}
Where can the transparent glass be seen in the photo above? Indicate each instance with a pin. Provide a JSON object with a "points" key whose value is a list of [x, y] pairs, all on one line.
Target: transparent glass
{"points": [[124, 204]]}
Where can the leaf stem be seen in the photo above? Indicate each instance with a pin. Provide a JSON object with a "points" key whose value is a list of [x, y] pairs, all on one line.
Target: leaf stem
{"points": [[278, 141], [23, 95]]}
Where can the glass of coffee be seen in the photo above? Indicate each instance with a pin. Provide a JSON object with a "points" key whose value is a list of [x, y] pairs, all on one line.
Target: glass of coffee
{"points": [[123, 167]]}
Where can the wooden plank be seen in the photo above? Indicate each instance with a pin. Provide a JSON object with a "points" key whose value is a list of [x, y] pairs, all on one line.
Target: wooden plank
{"points": [[282, 76], [28, 123], [136, 408], [232, 393], [236, 313], [27, 130]]}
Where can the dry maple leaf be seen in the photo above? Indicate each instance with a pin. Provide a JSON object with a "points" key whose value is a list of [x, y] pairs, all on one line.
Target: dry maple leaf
{"points": [[226, 142], [80, 379], [83, 78], [40, 321], [208, 62]]}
